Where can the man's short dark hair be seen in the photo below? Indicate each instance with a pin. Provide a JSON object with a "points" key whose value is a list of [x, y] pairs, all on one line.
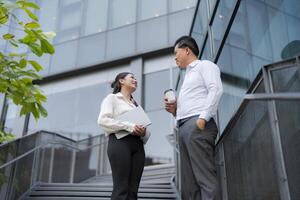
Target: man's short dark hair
{"points": [[187, 41]]}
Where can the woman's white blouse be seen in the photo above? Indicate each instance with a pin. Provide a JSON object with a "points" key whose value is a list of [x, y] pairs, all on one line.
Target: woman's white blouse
{"points": [[112, 106]]}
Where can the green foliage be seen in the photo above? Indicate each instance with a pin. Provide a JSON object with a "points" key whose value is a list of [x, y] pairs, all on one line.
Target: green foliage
{"points": [[16, 71], [6, 136]]}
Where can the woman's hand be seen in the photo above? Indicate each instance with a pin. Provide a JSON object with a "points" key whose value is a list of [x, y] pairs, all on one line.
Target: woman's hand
{"points": [[139, 130]]}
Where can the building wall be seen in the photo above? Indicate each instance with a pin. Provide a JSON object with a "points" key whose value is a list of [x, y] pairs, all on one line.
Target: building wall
{"points": [[262, 32], [93, 32]]}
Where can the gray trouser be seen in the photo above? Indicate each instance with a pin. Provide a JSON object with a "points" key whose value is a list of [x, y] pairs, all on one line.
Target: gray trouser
{"points": [[198, 171]]}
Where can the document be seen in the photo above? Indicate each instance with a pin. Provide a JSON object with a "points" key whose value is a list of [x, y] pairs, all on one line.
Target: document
{"points": [[137, 116]]}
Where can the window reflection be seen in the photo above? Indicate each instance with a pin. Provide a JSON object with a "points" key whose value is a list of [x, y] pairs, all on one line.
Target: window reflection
{"points": [[96, 16], [162, 125], [122, 13], [176, 5], [200, 24], [261, 33], [153, 8], [73, 113]]}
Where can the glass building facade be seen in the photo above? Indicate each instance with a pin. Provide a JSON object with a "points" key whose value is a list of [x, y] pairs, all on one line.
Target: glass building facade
{"points": [[255, 43], [96, 39]]}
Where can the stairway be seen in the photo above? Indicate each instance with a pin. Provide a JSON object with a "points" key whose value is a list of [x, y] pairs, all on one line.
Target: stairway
{"points": [[155, 184]]}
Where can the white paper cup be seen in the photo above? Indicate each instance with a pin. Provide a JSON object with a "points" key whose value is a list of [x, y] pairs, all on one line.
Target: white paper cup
{"points": [[170, 95]]}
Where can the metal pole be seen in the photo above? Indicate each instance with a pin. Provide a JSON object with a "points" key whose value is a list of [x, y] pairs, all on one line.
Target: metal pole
{"points": [[72, 167], [278, 152], [51, 165]]}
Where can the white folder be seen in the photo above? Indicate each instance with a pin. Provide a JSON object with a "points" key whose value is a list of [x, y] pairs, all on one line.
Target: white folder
{"points": [[136, 116]]}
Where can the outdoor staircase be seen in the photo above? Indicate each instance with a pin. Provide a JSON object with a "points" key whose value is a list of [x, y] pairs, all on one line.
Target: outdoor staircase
{"points": [[156, 183]]}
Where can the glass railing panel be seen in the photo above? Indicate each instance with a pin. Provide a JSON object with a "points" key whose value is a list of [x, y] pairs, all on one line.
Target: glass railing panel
{"points": [[286, 79], [289, 126], [249, 156], [88, 159], [44, 164], [4, 180], [16, 178], [61, 164]]}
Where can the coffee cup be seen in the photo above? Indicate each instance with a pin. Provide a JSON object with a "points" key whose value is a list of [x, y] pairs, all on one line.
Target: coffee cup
{"points": [[170, 95]]}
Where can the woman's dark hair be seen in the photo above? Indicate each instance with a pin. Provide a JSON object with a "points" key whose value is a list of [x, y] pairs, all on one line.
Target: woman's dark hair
{"points": [[116, 85], [187, 41]]}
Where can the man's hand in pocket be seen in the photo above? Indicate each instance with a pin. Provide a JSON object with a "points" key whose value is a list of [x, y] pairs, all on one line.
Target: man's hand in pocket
{"points": [[201, 123]]}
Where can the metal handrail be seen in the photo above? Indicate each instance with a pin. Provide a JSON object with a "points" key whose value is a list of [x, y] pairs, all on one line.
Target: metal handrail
{"points": [[46, 144], [38, 132]]}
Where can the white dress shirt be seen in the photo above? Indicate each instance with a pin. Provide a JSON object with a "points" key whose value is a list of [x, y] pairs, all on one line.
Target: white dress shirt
{"points": [[200, 92], [112, 106]]}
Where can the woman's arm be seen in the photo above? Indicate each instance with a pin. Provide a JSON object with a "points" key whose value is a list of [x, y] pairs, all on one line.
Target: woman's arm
{"points": [[107, 121]]}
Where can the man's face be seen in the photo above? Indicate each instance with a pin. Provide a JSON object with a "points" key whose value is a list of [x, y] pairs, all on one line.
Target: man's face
{"points": [[181, 56]]}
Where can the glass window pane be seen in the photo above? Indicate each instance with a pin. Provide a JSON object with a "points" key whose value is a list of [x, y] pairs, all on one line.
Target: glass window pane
{"points": [[180, 24], [70, 16], [96, 16], [122, 12], [63, 118], [220, 21], [155, 85], [161, 127], [206, 55], [152, 34], [67, 35], [121, 42], [176, 5], [200, 24], [64, 57], [48, 14], [69, 2], [260, 34], [153, 8], [91, 50]]}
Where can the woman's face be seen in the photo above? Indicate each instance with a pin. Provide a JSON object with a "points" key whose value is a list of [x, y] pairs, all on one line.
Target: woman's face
{"points": [[129, 82]]}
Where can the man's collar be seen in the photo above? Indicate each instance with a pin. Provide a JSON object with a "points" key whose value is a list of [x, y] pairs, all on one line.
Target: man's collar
{"points": [[193, 64]]}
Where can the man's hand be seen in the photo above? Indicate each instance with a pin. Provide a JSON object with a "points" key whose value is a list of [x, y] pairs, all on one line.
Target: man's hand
{"points": [[201, 123], [139, 130], [171, 107]]}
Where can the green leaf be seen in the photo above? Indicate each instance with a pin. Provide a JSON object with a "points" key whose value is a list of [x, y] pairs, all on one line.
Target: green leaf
{"points": [[43, 111], [32, 25], [36, 49], [23, 63], [30, 99], [40, 97], [35, 65], [31, 5], [31, 15], [26, 80], [47, 47], [17, 54], [28, 39], [8, 36], [3, 19]]}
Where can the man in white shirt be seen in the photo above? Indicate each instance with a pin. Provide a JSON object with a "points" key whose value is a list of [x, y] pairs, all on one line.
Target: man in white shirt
{"points": [[195, 110]]}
